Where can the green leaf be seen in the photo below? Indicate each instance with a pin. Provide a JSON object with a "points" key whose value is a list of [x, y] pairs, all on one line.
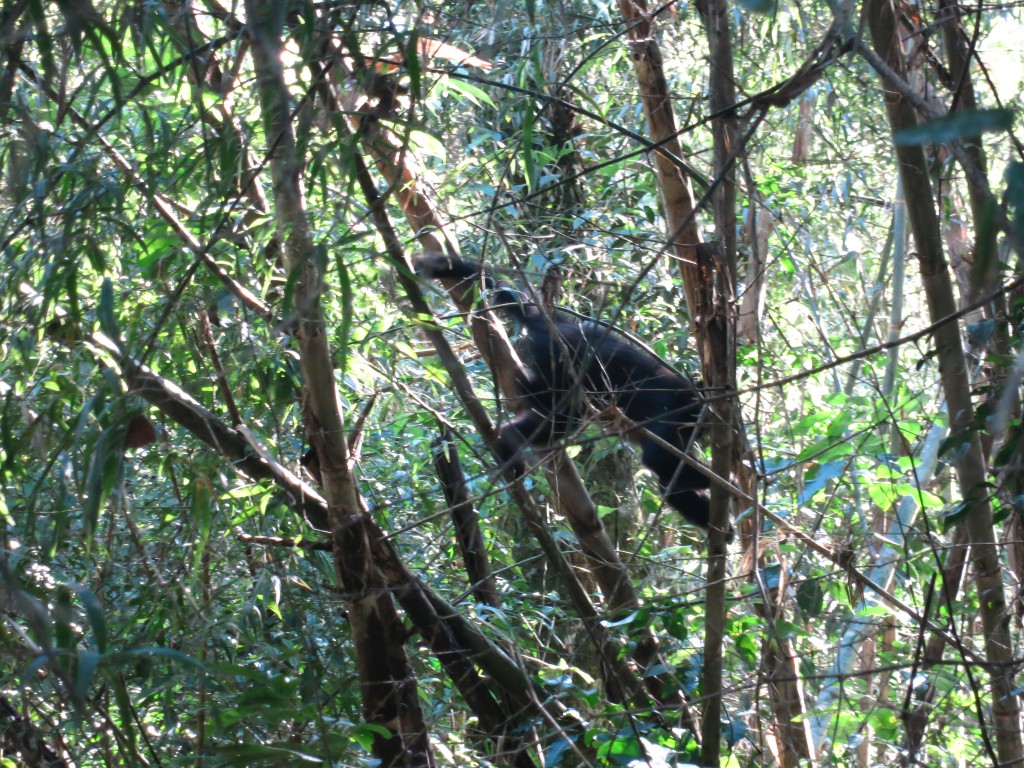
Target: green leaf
{"points": [[923, 497], [167, 653], [964, 124], [345, 285], [826, 450], [803, 425], [202, 519], [555, 751], [94, 610], [529, 158], [474, 94], [1015, 196], [733, 731], [883, 495], [105, 312], [366, 733], [757, 6], [125, 706], [104, 470], [266, 754], [85, 671], [810, 597], [412, 64], [425, 144], [953, 515], [63, 618]]}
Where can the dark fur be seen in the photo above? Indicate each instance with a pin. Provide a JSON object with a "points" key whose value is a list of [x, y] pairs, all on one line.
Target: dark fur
{"points": [[570, 363]]}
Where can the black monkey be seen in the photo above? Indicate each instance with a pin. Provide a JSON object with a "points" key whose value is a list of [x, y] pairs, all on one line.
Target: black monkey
{"points": [[570, 364]]}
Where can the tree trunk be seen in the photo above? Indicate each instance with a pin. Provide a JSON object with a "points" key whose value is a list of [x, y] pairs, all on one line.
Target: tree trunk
{"points": [[970, 463], [386, 680], [467, 525], [760, 228], [716, 334], [678, 204]]}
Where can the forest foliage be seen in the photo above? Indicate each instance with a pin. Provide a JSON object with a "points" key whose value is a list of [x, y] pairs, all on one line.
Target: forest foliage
{"points": [[209, 219]]}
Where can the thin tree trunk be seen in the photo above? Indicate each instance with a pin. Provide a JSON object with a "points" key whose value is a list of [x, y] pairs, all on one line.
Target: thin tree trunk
{"points": [[970, 463], [781, 671], [804, 128], [467, 525], [716, 333], [674, 182], [761, 226], [899, 273], [916, 718], [386, 679], [958, 54]]}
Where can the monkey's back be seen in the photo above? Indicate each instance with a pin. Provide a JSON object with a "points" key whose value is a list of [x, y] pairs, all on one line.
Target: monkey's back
{"points": [[583, 362]]}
